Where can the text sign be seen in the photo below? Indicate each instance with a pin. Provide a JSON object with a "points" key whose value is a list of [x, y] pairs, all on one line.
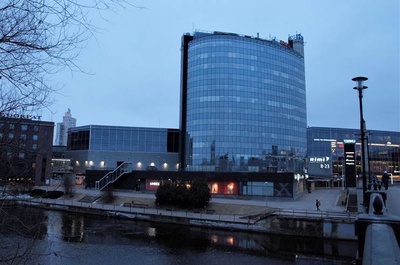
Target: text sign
{"points": [[350, 165], [20, 116], [320, 166]]}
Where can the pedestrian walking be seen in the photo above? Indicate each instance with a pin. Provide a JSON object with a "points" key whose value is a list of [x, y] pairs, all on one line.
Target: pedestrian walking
{"points": [[318, 204], [385, 179]]}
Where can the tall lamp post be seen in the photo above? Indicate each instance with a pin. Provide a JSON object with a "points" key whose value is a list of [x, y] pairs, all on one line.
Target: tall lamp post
{"points": [[360, 87]]}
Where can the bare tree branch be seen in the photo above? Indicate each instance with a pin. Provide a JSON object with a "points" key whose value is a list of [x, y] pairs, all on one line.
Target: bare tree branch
{"points": [[39, 38]]}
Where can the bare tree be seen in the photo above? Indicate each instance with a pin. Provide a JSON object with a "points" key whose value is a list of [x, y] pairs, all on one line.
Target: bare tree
{"points": [[39, 38]]}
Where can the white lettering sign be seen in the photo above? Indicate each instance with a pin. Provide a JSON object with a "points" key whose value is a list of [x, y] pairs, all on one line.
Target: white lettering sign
{"points": [[21, 116], [319, 159]]}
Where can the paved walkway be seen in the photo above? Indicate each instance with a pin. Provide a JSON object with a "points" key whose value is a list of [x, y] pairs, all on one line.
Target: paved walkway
{"points": [[330, 199]]}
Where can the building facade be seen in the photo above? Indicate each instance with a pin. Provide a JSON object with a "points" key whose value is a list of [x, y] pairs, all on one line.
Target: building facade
{"points": [[328, 144], [25, 149], [62, 128], [99, 147], [243, 103]]}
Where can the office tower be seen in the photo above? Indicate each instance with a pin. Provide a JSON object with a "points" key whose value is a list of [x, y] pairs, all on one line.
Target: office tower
{"points": [[243, 103], [62, 128]]}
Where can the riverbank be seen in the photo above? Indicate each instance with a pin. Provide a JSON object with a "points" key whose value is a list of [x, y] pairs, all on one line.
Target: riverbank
{"points": [[222, 213]]}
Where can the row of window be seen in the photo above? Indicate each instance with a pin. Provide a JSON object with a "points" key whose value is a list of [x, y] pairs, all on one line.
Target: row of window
{"points": [[123, 139], [217, 44], [12, 126], [218, 91], [244, 60], [244, 104], [11, 136]]}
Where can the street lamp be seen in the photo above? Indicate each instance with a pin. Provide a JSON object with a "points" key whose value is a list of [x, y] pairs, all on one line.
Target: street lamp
{"points": [[360, 87]]}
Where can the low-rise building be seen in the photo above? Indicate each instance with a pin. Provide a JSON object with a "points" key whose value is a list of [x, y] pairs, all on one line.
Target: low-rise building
{"points": [[25, 149]]}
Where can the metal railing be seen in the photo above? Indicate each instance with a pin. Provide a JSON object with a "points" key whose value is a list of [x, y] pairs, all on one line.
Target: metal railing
{"points": [[315, 214], [138, 212], [112, 176]]}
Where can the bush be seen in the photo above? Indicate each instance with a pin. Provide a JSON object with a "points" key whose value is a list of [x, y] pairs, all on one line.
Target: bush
{"points": [[196, 194], [37, 193], [108, 195], [199, 193], [165, 194], [54, 194]]}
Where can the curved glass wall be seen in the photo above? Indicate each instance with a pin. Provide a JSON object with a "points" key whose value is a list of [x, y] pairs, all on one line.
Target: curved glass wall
{"points": [[246, 104]]}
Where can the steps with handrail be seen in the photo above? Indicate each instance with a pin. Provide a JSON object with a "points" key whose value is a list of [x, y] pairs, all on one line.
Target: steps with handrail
{"points": [[112, 176]]}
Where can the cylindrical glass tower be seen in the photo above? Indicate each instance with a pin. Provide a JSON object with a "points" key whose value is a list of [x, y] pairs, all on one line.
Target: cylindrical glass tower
{"points": [[243, 103]]}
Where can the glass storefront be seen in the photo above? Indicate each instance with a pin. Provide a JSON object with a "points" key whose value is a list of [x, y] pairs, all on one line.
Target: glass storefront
{"points": [[383, 148]]}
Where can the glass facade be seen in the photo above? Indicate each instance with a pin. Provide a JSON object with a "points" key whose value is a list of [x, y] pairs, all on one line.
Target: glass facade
{"points": [[101, 147], [383, 148], [116, 138], [244, 103]]}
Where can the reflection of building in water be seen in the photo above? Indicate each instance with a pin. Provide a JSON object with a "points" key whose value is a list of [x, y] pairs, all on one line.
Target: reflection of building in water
{"points": [[73, 228]]}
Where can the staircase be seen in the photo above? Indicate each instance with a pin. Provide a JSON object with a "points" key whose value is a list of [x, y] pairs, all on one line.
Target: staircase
{"points": [[112, 176], [352, 204]]}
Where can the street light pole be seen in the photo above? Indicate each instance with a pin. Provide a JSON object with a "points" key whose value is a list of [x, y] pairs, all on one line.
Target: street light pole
{"points": [[360, 87]]}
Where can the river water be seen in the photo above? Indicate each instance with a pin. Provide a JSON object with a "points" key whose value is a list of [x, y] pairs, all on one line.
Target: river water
{"points": [[69, 238]]}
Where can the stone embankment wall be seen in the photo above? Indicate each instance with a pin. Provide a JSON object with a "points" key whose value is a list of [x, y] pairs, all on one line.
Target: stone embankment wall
{"points": [[330, 228]]}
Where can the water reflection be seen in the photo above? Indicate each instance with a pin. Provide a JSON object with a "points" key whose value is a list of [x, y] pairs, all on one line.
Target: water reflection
{"points": [[23, 221], [102, 230], [144, 238], [73, 228]]}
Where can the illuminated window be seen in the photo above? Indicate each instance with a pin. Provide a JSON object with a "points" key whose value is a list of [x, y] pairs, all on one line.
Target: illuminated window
{"points": [[214, 188], [230, 187]]}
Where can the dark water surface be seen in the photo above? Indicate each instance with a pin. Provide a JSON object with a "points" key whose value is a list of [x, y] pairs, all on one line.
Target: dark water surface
{"points": [[67, 238]]}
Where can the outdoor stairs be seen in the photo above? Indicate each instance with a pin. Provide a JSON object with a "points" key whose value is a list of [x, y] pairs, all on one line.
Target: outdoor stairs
{"points": [[112, 176], [352, 205]]}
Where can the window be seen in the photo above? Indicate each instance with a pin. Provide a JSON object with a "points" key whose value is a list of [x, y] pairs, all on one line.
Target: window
{"points": [[24, 127], [35, 137]]}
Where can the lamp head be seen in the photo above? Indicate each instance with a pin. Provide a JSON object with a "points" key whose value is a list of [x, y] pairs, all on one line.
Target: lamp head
{"points": [[360, 80]]}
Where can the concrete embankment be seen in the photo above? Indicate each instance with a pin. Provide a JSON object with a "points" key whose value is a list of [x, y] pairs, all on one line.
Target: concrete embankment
{"points": [[304, 223]]}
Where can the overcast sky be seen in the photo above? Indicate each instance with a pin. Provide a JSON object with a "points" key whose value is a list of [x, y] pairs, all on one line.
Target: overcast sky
{"points": [[135, 61]]}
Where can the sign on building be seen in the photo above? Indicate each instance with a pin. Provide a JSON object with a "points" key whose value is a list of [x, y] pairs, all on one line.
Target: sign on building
{"points": [[320, 166], [350, 163]]}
